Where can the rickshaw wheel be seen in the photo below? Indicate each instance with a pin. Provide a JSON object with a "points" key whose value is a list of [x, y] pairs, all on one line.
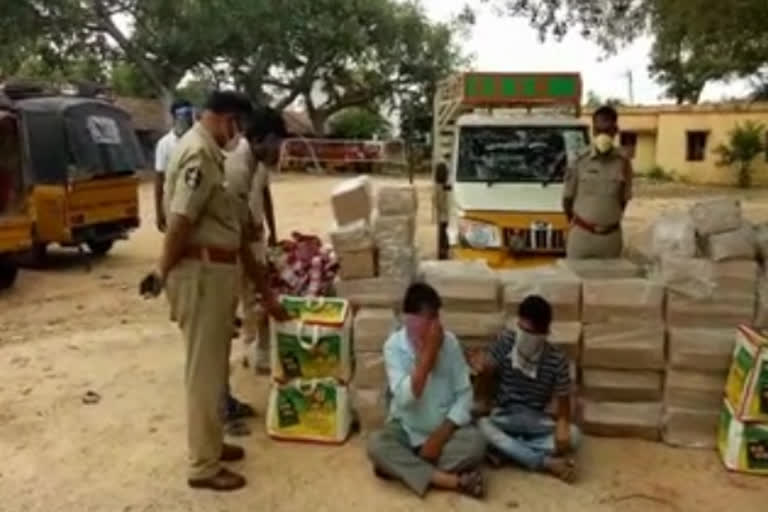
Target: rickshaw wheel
{"points": [[100, 247]]}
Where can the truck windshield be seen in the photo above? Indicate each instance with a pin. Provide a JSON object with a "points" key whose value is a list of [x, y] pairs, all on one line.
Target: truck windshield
{"points": [[518, 153]]}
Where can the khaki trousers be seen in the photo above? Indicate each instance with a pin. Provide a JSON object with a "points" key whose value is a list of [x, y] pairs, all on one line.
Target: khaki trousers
{"points": [[585, 245], [202, 299]]}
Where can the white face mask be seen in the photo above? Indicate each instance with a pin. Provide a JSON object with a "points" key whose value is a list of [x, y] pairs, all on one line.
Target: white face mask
{"points": [[527, 352], [603, 143]]}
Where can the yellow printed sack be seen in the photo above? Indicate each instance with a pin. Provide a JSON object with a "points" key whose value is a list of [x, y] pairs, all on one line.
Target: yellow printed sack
{"points": [[315, 410], [743, 446], [747, 387]]}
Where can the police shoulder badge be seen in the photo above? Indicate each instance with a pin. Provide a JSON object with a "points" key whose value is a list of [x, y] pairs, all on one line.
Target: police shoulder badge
{"points": [[192, 177]]}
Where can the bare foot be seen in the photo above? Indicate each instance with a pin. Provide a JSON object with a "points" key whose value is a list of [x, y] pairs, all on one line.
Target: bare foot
{"points": [[562, 468]]}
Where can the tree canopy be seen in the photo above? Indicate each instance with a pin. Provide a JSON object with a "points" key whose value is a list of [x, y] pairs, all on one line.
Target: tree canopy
{"points": [[694, 41], [329, 55]]}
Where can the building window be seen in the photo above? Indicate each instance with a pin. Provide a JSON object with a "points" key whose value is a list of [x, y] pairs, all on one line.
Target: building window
{"points": [[628, 142], [696, 146]]}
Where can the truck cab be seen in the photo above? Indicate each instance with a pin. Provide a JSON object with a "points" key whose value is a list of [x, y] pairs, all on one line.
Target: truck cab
{"points": [[507, 141]]}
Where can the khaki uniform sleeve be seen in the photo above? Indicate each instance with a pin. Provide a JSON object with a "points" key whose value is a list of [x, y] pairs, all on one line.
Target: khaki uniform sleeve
{"points": [[571, 181], [628, 177], [195, 182]]}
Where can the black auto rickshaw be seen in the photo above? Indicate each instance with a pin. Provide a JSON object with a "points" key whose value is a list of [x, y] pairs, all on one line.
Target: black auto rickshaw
{"points": [[81, 155]]}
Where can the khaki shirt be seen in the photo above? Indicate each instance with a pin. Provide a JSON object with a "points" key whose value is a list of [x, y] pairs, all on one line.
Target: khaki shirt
{"points": [[599, 186], [195, 188], [247, 179]]}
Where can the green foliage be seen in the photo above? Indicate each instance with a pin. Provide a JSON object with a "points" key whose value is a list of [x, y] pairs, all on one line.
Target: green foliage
{"points": [[695, 41], [358, 123], [594, 100], [127, 80], [659, 174], [745, 143]]}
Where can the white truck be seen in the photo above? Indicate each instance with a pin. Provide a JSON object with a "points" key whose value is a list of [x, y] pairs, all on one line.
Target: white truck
{"points": [[502, 142]]}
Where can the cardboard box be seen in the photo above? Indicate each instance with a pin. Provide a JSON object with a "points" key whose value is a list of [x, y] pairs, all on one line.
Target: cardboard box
{"points": [[372, 292], [743, 446], [747, 385], [356, 236], [622, 300], [370, 371], [473, 325], [694, 390], [716, 216], [690, 428], [601, 269], [640, 420], [357, 264], [560, 287], [372, 327], [463, 285], [623, 347], [701, 349], [622, 385], [351, 201], [398, 262], [567, 337], [724, 308], [397, 200]]}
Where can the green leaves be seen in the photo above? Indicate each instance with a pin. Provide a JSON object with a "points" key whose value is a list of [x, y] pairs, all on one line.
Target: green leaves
{"points": [[746, 142]]}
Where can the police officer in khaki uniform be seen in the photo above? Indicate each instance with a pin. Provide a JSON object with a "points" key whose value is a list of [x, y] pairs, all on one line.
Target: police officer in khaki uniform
{"points": [[248, 179], [205, 239], [597, 189]]}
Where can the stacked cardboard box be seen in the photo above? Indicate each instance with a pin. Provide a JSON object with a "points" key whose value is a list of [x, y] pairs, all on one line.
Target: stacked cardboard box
{"points": [[394, 231], [470, 294], [352, 237], [622, 359]]}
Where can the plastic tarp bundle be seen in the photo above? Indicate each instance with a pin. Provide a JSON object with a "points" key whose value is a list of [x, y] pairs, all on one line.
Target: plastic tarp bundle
{"points": [[622, 300], [390, 231], [560, 287], [701, 349], [690, 428], [356, 236], [601, 269], [761, 308], [615, 419], [739, 244], [624, 347], [398, 262], [372, 327], [317, 410], [566, 336], [622, 385], [351, 200], [694, 390], [397, 200], [375, 292], [716, 216], [702, 293], [463, 285], [673, 234]]}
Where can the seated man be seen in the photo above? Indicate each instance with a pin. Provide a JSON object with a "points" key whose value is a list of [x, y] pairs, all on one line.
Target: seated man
{"points": [[427, 439], [529, 373]]}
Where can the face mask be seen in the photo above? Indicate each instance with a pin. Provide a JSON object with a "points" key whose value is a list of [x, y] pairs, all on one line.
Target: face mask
{"points": [[529, 345], [603, 143]]}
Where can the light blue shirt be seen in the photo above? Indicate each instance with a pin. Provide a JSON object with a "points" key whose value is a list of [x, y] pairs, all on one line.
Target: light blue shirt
{"points": [[447, 394]]}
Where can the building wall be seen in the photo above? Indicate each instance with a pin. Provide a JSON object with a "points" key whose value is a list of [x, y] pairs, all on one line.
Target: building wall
{"points": [[662, 139]]}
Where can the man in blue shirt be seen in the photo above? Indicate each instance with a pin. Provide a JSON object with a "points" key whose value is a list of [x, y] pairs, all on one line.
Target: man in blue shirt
{"points": [[427, 440], [529, 373]]}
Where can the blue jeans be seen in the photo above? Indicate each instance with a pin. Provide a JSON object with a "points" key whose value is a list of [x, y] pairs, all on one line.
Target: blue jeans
{"points": [[523, 436]]}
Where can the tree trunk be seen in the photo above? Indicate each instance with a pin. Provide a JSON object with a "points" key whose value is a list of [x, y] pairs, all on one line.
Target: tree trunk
{"points": [[166, 98], [745, 175]]}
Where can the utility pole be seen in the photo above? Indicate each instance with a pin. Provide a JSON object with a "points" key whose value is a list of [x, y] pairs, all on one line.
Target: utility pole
{"points": [[630, 87]]}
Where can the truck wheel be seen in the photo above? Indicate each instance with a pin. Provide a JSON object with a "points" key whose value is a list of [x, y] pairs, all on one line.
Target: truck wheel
{"points": [[8, 272], [101, 247]]}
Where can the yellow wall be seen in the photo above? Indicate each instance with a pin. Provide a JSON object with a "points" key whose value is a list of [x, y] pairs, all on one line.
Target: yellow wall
{"points": [[662, 140]]}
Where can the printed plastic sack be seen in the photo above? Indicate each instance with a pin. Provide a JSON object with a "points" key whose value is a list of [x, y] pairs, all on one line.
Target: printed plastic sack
{"points": [[315, 410]]}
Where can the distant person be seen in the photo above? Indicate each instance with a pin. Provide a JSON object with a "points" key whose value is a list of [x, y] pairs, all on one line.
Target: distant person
{"points": [[597, 189], [247, 172], [529, 373], [183, 114], [428, 440]]}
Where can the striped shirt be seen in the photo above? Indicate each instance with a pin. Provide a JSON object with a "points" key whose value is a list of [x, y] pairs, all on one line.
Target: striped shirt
{"points": [[515, 388]]}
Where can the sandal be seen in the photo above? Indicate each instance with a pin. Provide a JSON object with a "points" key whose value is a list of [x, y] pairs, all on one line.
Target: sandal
{"points": [[472, 484]]}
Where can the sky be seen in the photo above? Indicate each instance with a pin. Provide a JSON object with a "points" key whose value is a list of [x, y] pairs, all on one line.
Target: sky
{"points": [[510, 44]]}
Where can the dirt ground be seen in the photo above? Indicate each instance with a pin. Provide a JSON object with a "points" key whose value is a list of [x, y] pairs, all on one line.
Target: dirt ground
{"points": [[79, 325]]}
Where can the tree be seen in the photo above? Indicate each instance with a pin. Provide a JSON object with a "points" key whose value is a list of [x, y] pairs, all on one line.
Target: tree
{"points": [[745, 143], [695, 41], [358, 123], [594, 100]]}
